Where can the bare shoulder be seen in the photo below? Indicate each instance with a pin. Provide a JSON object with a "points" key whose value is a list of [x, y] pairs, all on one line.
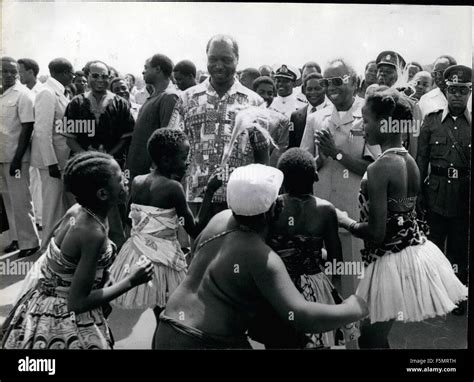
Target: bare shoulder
{"points": [[216, 225], [384, 168], [256, 251], [139, 180], [323, 203], [325, 208], [261, 260], [78, 232]]}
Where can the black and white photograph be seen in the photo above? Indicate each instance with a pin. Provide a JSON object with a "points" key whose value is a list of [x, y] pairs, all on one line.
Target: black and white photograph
{"points": [[235, 176]]}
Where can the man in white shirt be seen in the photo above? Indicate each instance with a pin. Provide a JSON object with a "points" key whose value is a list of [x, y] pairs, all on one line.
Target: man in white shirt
{"points": [[335, 137], [286, 102], [28, 70], [16, 111], [49, 149]]}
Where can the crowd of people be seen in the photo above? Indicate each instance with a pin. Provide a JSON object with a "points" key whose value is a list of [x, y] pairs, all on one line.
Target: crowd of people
{"points": [[219, 199]]}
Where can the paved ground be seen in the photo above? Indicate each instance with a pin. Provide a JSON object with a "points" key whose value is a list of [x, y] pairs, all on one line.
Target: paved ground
{"points": [[133, 329]]}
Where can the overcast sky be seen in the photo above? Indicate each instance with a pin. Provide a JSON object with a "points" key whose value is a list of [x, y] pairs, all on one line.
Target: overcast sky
{"points": [[125, 34]]}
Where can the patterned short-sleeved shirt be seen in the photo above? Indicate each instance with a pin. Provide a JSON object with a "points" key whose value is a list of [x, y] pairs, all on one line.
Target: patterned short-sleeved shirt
{"points": [[209, 121]]}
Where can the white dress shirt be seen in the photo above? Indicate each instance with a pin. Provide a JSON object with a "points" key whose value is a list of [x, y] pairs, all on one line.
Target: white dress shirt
{"points": [[287, 105], [322, 105]]}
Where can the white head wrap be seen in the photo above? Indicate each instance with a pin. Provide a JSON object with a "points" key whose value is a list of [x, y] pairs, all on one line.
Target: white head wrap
{"points": [[253, 189]]}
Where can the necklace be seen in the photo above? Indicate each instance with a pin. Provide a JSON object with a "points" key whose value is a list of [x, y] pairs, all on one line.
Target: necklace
{"points": [[396, 150], [95, 217]]}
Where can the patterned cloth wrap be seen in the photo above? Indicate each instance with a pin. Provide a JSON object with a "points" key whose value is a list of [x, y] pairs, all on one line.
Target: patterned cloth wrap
{"points": [[154, 235], [302, 256], [403, 229], [41, 319]]}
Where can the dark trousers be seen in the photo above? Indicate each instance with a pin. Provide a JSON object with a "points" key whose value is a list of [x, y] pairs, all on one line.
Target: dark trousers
{"points": [[452, 234]]}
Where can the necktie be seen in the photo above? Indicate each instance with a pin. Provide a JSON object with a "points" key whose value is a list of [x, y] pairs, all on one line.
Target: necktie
{"points": [[313, 109]]}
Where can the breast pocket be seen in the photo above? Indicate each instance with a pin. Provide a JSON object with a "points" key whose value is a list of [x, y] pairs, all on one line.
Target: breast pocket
{"points": [[8, 110], [438, 147]]}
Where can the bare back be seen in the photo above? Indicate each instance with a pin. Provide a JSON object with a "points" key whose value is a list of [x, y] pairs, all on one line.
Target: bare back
{"points": [[219, 278], [152, 190]]}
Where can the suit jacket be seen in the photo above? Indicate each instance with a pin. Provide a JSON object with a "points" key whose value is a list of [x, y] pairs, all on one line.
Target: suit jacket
{"points": [[298, 119], [48, 146]]}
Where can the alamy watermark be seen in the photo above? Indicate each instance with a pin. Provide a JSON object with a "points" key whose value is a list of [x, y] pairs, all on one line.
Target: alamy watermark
{"points": [[344, 268], [390, 125], [32, 365], [15, 267], [75, 126]]}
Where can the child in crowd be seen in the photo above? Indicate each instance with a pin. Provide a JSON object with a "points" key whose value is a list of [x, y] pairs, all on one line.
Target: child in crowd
{"points": [[63, 308], [158, 207], [305, 224]]}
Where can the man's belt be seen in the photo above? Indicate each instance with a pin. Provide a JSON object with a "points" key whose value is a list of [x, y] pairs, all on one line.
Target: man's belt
{"points": [[450, 172]]}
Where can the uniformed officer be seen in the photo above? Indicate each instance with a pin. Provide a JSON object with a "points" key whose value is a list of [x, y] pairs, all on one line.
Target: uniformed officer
{"points": [[390, 66], [286, 101], [444, 147]]}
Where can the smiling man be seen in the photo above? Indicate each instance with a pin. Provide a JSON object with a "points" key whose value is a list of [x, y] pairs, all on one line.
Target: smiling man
{"points": [[335, 137], [308, 68], [207, 114], [314, 92], [109, 123], [286, 101]]}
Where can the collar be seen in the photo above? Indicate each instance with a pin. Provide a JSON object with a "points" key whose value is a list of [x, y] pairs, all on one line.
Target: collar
{"points": [[287, 98], [98, 107], [15, 88], [38, 86], [56, 85], [355, 111], [171, 88], [436, 92], [322, 105], [466, 114], [236, 87]]}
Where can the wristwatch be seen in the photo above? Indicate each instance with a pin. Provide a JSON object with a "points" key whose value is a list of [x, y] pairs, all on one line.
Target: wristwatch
{"points": [[339, 156]]}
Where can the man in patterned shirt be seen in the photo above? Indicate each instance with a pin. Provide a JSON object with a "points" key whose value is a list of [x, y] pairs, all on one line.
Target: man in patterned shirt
{"points": [[207, 114]]}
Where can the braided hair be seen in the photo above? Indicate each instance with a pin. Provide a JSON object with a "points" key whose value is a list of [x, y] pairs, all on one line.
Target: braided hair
{"points": [[165, 142], [85, 174]]}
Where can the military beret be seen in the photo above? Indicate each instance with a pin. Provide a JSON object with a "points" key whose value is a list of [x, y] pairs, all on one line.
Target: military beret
{"points": [[285, 71], [458, 75], [389, 57]]}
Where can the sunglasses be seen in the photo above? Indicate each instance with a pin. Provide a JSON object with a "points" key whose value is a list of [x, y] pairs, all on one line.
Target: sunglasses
{"points": [[335, 81], [463, 90], [437, 73], [97, 76]]}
